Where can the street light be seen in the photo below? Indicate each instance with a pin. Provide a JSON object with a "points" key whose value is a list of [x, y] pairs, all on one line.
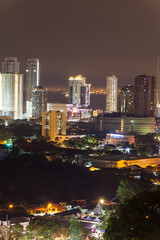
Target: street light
{"points": [[101, 201], [10, 206]]}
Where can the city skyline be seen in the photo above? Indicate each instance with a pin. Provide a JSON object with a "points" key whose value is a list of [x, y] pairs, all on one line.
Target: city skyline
{"points": [[91, 38]]}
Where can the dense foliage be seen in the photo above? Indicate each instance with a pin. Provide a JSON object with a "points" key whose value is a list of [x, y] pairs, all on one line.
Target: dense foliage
{"points": [[136, 219]]}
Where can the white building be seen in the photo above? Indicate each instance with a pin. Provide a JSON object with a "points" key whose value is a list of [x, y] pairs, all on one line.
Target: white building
{"points": [[11, 95], [111, 95], [79, 91]]}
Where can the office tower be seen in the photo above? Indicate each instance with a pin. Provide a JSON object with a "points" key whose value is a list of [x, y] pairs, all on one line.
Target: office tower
{"points": [[10, 65], [127, 100], [39, 101], [53, 124], [32, 77], [145, 96], [79, 91], [111, 95]]}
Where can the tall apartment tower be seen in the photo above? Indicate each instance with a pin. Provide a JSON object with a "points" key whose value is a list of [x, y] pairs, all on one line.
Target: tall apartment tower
{"points": [[32, 77], [111, 95], [11, 89], [127, 100], [79, 91], [53, 124], [10, 65], [158, 87], [145, 96], [39, 101]]}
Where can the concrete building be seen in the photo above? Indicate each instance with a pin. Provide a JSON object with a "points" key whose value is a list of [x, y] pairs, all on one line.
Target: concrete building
{"points": [[32, 77], [79, 91], [111, 93], [117, 123], [126, 98], [145, 96], [39, 101], [53, 124], [11, 89]]}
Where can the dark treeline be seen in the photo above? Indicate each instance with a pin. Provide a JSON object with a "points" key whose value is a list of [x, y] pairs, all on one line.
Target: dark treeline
{"points": [[31, 178]]}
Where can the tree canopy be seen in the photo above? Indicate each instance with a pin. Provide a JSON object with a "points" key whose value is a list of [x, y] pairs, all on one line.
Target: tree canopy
{"points": [[137, 219]]}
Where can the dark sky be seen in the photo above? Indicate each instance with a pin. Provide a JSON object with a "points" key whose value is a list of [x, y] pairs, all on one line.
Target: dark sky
{"points": [[90, 37]]}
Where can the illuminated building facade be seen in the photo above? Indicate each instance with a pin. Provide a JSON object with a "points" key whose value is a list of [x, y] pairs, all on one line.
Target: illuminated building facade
{"points": [[109, 162], [115, 138], [73, 114], [145, 96], [126, 98], [32, 77], [53, 124], [11, 89], [79, 91], [11, 95], [117, 123], [39, 101], [111, 93]]}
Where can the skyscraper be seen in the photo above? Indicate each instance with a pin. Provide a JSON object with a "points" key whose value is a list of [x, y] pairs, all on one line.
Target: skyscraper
{"points": [[39, 101], [145, 96], [53, 124], [10, 65], [32, 77], [79, 91], [111, 95], [11, 89], [127, 100], [158, 86]]}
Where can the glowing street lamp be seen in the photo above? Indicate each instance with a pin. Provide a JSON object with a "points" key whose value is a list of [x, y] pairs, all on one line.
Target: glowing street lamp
{"points": [[101, 201]]}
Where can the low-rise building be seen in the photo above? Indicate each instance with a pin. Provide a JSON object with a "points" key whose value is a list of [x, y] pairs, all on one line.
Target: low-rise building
{"points": [[118, 162], [115, 139]]}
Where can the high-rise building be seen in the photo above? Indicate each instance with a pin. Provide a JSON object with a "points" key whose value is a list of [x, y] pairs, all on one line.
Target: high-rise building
{"points": [[10, 65], [39, 101], [158, 82], [53, 124], [111, 95], [32, 77], [11, 89], [127, 100], [153, 96], [79, 91], [145, 96], [11, 95]]}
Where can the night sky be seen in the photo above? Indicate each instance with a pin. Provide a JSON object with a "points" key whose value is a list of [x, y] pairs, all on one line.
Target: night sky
{"points": [[90, 37]]}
